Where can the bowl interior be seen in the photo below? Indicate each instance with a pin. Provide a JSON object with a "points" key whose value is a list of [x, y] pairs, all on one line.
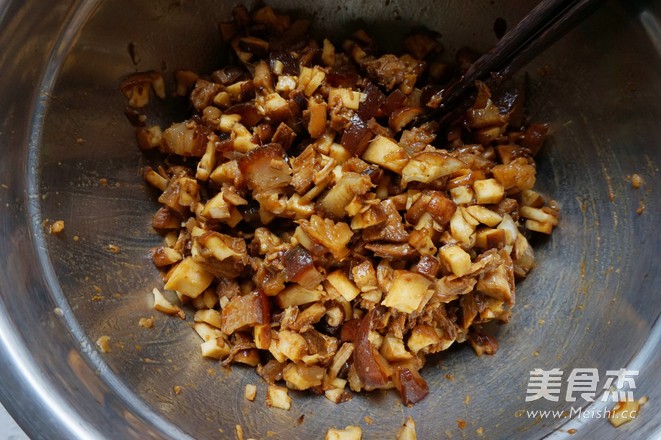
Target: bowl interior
{"points": [[591, 302]]}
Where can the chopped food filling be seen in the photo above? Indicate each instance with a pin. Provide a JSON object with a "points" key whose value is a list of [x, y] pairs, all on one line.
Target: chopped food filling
{"points": [[318, 229]]}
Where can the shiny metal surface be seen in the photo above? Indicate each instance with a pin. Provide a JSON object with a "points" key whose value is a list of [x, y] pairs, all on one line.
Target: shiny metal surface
{"points": [[593, 302]]}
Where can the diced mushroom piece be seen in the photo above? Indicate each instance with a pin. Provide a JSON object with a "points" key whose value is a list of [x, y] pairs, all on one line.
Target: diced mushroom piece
{"points": [[338, 197], [460, 229], [184, 139], [276, 107], [165, 256], [386, 153], [184, 80], [462, 195], [300, 269], [164, 306], [286, 83], [206, 331], [498, 283], [343, 285], [208, 161], [488, 191], [292, 345], [302, 377], [216, 348], [278, 397], [250, 392], [328, 53], [317, 124], [403, 116], [155, 179], [436, 204], [262, 78], [422, 338], [411, 386], [457, 259], [372, 369], [262, 336], [407, 291], [265, 168], [523, 256], [347, 98], [189, 278], [484, 215], [348, 433], [216, 208], [136, 87], [364, 276], [149, 137], [317, 77], [296, 295], [510, 229], [340, 359], [220, 254], [483, 344], [487, 238], [538, 215], [241, 91], [518, 174], [393, 349], [428, 166], [407, 431], [210, 316], [245, 311], [532, 198], [325, 232]]}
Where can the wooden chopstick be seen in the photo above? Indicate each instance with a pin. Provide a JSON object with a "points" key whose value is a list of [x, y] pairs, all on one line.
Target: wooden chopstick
{"points": [[545, 24]]}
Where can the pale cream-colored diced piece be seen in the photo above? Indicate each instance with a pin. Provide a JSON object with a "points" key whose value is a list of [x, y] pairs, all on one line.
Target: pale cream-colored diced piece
{"points": [[534, 225], [426, 167], [421, 337], [484, 215], [348, 433], [210, 316], [250, 392], [335, 395], [189, 278], [386, 153], [488, 191], [296, 295], [343, 285], [393, 349], [216, 208], [215, 348], [407, 431], [461, 230], [538, 215], [262, 336], [407, 291], [348, 98], [302, 377], [226, 122], [164, 306], [292, 345], [206, 331], [458, 259], [278, 397], [462, 195]]}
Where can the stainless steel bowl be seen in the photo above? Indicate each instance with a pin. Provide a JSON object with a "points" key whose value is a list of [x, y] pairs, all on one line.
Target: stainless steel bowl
{"points": [[593, 302]]}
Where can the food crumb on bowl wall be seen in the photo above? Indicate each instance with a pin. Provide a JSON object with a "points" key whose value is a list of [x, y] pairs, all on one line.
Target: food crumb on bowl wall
{"points": [[56, 227], [104, 344]]}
